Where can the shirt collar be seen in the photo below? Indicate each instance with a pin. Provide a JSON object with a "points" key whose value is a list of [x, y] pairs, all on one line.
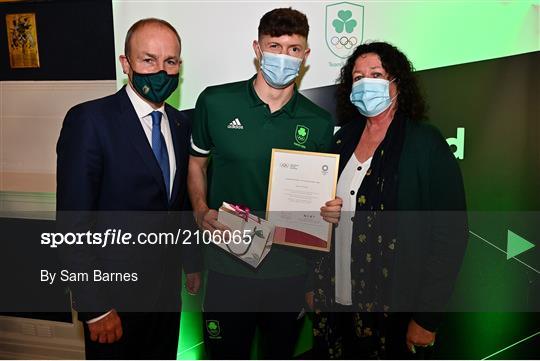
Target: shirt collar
{"points": [[289, 108], [142, 108]]}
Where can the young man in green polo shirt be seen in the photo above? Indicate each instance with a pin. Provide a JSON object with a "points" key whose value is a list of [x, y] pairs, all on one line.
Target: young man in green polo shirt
{"points": [[238, 124]]}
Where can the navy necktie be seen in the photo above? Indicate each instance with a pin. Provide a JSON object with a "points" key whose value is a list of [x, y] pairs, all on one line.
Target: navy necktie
{"points": [[160, 149]]}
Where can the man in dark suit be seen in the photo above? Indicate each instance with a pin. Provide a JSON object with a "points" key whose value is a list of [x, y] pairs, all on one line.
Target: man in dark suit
{"points": [[129, 152]]}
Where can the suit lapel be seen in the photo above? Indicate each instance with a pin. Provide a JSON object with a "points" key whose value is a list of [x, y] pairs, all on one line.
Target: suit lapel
{"points": [[177, 125], [133, 128]]}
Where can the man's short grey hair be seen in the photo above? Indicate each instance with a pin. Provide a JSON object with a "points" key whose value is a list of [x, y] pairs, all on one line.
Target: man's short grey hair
{"points": [[139, 24]]}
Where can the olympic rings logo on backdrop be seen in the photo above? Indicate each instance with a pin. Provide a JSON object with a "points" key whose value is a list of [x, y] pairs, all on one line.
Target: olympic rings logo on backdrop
{"points": [[344, 29], [344, 42]]}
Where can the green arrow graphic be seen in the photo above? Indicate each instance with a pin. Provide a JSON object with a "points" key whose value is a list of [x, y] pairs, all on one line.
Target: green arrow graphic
{"points": [[516, 245]]}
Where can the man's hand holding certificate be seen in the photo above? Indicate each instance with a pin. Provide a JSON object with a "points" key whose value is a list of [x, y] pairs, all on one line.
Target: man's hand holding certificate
{"points": [[300, 183]]}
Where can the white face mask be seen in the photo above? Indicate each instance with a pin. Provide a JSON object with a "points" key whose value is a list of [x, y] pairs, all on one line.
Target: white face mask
{"points": [[371, 96]]}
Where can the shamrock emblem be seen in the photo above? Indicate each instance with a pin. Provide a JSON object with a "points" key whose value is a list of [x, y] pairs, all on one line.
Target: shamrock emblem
{"points": [[344, 21], [302, 133], [213, 328]]}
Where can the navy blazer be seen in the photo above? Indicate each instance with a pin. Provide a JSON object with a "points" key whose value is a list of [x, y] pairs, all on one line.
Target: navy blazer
{"points": [[105, 163]]}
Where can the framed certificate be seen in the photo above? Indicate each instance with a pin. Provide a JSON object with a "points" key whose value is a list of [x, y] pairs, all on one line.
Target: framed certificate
{"points": [[300, 184]]}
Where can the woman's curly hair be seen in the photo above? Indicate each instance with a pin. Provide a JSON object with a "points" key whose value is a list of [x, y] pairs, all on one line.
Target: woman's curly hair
{"points": [[410, 100]]}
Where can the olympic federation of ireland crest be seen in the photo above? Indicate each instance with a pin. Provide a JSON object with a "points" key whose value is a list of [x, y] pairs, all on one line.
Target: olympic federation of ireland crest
{"points": [[344, 28], [213, 329], [301, 135]]}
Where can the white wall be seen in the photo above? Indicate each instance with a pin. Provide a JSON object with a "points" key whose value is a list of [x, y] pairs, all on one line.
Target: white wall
{"points": [[31, 115]]}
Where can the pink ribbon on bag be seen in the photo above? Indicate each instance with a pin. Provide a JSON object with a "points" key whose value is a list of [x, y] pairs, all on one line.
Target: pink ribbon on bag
{"points": [[243, 212]]}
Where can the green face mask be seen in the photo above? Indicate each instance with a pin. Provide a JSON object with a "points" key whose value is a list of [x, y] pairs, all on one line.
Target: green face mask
{"points": [[155, 87]]}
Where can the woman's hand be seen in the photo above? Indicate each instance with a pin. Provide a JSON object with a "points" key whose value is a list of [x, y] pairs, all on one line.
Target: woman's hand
{"points": [[331, 211], [418, 336], [310, 302]]}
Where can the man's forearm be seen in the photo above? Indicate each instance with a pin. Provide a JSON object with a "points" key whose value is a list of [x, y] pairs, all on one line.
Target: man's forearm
{"points": [[197, 186]]}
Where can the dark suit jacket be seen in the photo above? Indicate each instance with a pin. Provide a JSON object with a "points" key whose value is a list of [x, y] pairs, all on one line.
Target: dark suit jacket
{"points": [[109, 178]]}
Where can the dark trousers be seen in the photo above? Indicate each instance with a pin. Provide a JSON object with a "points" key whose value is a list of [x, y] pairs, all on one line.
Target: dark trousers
{"points": [[235, 307], [146, 336]]}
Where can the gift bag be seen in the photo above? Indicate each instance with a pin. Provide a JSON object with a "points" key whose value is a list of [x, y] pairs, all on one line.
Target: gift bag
{"points": [[250, 238]]}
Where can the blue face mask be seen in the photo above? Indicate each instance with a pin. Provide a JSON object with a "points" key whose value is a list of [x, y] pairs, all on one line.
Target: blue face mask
{"points": [[371, 96], [279, 70]]}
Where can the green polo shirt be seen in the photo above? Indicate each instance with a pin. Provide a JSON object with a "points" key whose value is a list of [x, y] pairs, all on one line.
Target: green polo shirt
{"points": [[235, 127]]}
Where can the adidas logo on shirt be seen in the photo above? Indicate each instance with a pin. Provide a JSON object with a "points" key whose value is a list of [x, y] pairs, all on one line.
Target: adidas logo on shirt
{"points": [[235, 124]]}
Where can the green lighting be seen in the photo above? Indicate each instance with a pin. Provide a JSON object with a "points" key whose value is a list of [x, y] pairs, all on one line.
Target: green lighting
{"points": [[191, 340], [472, 31], [512, 345]]}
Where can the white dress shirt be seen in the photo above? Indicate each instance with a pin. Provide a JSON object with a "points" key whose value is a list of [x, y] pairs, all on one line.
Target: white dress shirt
{"points": [[143, 110], [348, 184]]}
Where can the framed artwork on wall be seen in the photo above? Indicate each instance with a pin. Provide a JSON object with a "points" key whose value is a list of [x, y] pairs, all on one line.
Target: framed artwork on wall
{"points": [[22, 40]]}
